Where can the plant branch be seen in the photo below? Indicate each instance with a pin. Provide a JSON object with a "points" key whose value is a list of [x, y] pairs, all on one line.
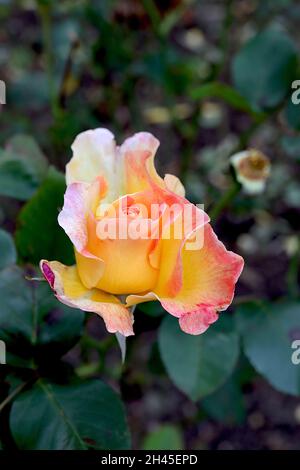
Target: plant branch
{"points": [[13, 394], [225, 200], [45, 13]]}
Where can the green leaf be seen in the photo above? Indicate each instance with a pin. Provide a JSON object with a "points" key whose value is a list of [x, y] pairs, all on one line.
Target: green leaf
{"points": [[226, 405], [224, 92], [291, 145], [8, 253], [58, 326], [198, 365], [26, 147], [22, 168], [38, 235], [268, 331], [166, 437], [153, 309], [15, 178], [264, 69], [33, 324], [292, 115], [89, 415], [29, 91]]}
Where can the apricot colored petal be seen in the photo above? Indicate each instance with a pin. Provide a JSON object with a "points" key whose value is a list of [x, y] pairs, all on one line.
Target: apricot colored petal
{"points": [[137, 154], [208, 278], [90, 269], [68, 288], [174, 184], [127, 266], [188, 223], [134, 299]]}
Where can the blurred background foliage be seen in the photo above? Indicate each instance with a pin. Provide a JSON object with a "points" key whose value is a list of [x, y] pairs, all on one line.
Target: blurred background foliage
{"points": [[208, 79]]}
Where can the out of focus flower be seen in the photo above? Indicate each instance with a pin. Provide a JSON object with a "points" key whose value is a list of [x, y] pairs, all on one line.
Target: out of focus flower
{"points": [[163, 115], [252, 169], [193, 39], [211, 115], [157, 115]]}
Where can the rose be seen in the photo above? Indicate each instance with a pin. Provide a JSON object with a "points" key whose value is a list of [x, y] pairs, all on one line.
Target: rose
{"points": [[126, 253], [252, 169]]}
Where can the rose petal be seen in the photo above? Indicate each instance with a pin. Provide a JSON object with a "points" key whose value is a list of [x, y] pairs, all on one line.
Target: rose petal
{"points": [[208, 277], [68, 288], [138, 153], [197, 322], [174, 184], [94, 155], [76, 218], [203, 282]]}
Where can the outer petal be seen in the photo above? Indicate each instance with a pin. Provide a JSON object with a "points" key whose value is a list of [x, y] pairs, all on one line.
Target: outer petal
{"points": [[185, 226], [127, 169], [137, 153], [69, 290], [203, 282], [174, 184], [94, 154], [80, 200], [198, 321], [208, 276]]}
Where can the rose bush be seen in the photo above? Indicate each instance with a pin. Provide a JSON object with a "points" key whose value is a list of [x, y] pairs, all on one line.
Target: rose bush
{"points": [[111, 187]]}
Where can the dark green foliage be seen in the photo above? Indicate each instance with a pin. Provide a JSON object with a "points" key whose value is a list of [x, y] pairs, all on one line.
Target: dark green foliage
{"points": [[208, 79], [83, 416], [264, 68], [198, 365], [38, 235], [268, 331]]}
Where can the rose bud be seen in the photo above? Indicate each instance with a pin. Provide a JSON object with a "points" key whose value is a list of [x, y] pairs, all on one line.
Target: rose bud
{"points": [[137, 238], [252, 169]]}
